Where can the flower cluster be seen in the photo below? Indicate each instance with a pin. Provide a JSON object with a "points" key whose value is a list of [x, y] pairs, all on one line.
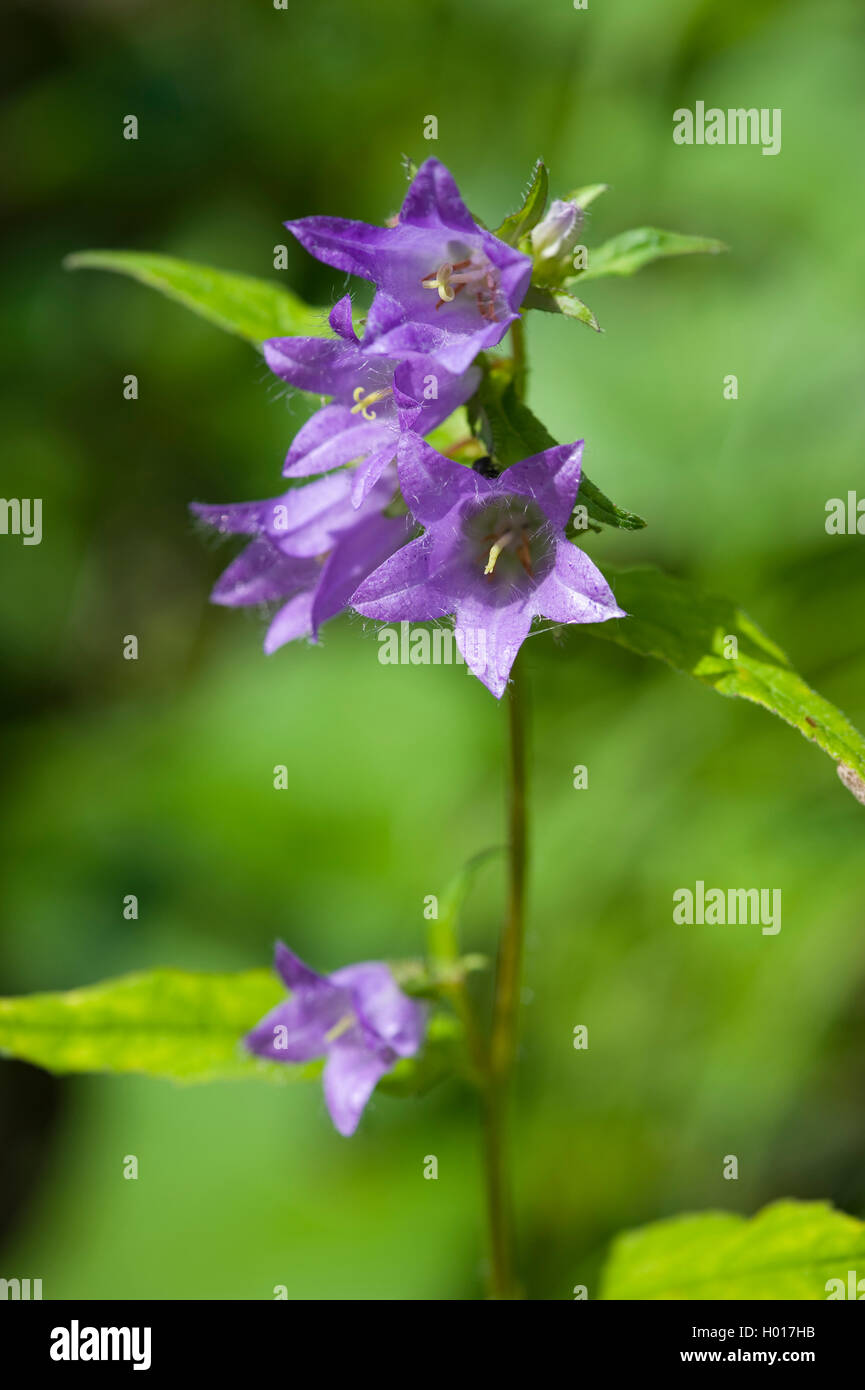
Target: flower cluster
{"points": [[394, 529]]}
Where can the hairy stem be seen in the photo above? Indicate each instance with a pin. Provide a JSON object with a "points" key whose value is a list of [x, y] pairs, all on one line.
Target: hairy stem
{"points": [[503, 1039]]}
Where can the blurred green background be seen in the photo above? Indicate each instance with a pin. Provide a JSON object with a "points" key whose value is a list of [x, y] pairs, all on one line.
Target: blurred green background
{"points": [[155, 777]]}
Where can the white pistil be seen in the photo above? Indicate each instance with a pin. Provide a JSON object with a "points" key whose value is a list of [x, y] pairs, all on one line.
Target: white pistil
{"points": [[338, 1029], [496, 550]]}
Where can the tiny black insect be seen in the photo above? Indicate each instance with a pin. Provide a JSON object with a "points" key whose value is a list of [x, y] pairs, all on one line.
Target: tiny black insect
{"points": [[485, 467]]}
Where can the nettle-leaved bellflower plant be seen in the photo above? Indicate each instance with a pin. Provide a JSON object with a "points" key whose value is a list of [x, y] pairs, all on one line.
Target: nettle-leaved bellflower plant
{"points": [[422, 490]]}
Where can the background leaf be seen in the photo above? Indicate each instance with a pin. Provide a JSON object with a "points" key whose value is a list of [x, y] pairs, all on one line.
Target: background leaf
{"points": [[788, 1250], [166, 1023], [253, 309], [628, 252], [674, 621]]}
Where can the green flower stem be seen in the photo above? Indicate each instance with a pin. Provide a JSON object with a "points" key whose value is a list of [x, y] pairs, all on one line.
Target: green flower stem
{"points": [[503, 1039], [518, 342]]}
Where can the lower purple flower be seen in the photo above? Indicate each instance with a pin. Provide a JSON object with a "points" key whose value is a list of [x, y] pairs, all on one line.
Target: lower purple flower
{"points": [[358, 1018], [494, 554], [311, 548]]}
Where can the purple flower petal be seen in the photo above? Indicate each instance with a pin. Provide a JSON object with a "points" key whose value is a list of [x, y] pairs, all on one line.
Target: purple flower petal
{"points": [[392, 1017], [339, 319], [235, 518], [323, 366], [293, 972], [261, 574], [293, 620], [296, 1030], [402, 588], [356, 552], [333, 437], [575, 591], [489, 637], [433, 485], [350, 1077], [551, 479]]}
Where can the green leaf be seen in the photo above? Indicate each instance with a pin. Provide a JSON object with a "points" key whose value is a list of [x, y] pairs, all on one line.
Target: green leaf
{"points": [[602, 510], [628, 252], [674, 621], [166, 1023], [789, 1250], [442, 935], [584, 196], [559, 301], [520, 223], [512, 432], [253, 309]]}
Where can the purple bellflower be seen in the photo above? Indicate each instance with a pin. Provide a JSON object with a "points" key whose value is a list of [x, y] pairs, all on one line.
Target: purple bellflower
{"points": [[373, 398], [310, 548], [358, 1018], [444, 285], [494, 554]]}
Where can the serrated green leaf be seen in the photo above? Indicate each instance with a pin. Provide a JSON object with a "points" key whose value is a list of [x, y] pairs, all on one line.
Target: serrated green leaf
{"points": [[559, 301], [628, 252], [512, 432], [674, 621], [520, 223], [789, 1250], [253, 309], [165, 1023]]}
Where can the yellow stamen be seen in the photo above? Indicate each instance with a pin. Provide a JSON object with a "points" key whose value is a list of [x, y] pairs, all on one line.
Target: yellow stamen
{"points": [[363, 400], [441, 281]]}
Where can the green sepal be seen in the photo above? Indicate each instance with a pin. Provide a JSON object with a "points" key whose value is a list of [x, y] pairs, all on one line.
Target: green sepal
{"points": [[529, 214]]}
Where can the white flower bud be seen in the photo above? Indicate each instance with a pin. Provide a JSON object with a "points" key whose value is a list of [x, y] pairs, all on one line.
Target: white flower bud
{"points": [[556, 234]]}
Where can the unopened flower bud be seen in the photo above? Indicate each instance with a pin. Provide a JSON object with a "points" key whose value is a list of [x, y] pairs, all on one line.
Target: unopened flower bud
{"points": [[556, 234]]}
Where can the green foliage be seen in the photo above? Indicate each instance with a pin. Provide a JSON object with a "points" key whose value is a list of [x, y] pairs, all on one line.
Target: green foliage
{"points": [[187, 1027], [253, 309], [584, 196], [674, 621], [442, 934], [561, 301], [529, 214], [512, 433], [628, 252], [789, 1250], [166, 1023]]}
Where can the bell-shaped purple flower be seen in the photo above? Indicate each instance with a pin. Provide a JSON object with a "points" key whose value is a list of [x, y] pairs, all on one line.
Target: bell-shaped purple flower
{"points": [[310, 549], [494, 554], [445, 287], [372, 399], [358, 1018]]}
